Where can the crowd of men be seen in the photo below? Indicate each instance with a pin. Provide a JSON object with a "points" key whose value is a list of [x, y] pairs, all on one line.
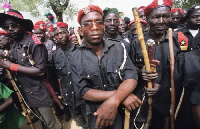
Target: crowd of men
{"points": [[98, 71]]}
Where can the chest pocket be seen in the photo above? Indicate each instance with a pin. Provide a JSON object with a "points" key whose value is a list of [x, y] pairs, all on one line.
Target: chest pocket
{"points": [[23, 56], [61, 69], [91, 73]]}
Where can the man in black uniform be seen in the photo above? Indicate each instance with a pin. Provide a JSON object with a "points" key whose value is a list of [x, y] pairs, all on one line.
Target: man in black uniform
{"points": [[158, 18], [103, 73], [28, 59], [111, 21], [186, 75], [176, 19], [191, 30], [60, 60]]}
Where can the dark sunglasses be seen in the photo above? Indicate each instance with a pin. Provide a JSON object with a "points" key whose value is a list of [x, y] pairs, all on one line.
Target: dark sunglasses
{"points": [[89, 25], [6, 27]]}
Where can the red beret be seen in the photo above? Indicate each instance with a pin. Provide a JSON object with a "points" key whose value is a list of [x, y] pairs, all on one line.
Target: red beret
{"points": [[141, 21], [2, 32], [39, 27], [141, 8], [86, 10], [72, 36], [40, 22], [177, 10], [60, 24], [156, 4]]}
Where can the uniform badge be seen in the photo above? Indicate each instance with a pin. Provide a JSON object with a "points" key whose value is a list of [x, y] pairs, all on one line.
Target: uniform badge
{"points": [[41, 27], [160, 2], [183, 43], [86, 10]]}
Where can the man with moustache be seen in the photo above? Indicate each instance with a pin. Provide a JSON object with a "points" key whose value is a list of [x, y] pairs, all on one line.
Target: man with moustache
{"points": [[158, 18], [100, 82], [111, 21], [63, 71]]}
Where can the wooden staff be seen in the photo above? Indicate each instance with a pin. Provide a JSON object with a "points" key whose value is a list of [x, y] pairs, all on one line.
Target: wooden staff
{"points": [[20, 99], [172, 89], [126, 119], [78, 36], [146, 61]]}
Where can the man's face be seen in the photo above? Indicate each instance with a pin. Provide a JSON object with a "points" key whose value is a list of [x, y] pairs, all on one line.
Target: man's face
{"points": [[175, 19], [159, 20], [194, 19], [71, 31], [14, 29], [133, 29], [111, 22], [142, 15], [122, 26], [61, 35], [40, 34], [92, 28], [4, 41]]}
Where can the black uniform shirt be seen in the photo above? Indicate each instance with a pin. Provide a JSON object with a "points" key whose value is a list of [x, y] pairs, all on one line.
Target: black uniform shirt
{"points": [[63, 70], [33, 90], [193, 42], [187, 73], [161, 53], [90, 72]]}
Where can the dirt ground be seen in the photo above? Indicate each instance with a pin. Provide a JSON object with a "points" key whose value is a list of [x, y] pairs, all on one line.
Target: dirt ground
{"points": [[66, 125]]}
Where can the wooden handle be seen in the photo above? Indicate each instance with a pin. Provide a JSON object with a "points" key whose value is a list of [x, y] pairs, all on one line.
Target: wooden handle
{"points": [[172, 89], [142, 42], [78, 36]]}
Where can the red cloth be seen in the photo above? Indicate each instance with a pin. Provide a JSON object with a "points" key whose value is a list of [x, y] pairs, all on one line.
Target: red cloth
{"points": [[142, 21], [157, 3], [141, 8], [39, 27], [40, 22], [86, 10], [177, 10], [2, 32]]}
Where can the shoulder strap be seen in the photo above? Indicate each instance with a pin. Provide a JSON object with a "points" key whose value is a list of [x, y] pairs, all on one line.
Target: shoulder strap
{"points": [[124, 61]]}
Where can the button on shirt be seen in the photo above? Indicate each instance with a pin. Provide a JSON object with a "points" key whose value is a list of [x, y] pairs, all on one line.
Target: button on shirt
{"points": [[161, 53], [91, 72], [63, 70], [32, 88]]}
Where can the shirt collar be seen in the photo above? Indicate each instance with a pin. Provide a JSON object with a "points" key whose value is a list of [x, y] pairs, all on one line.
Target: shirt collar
{"points": [[106, 44]]}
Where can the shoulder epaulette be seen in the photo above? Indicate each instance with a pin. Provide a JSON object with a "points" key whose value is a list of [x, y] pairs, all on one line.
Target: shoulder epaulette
{"points": [[183, 41], [36, 40]]}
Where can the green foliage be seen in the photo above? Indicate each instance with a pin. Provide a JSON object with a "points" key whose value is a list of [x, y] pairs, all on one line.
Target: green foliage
{"points": [[70, 12], [27, 5], [33, 6], [186, 3]]}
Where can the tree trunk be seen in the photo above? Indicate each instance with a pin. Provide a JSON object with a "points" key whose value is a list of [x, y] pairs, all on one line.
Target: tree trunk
{"points": [[60, 11], [59, 17]]}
